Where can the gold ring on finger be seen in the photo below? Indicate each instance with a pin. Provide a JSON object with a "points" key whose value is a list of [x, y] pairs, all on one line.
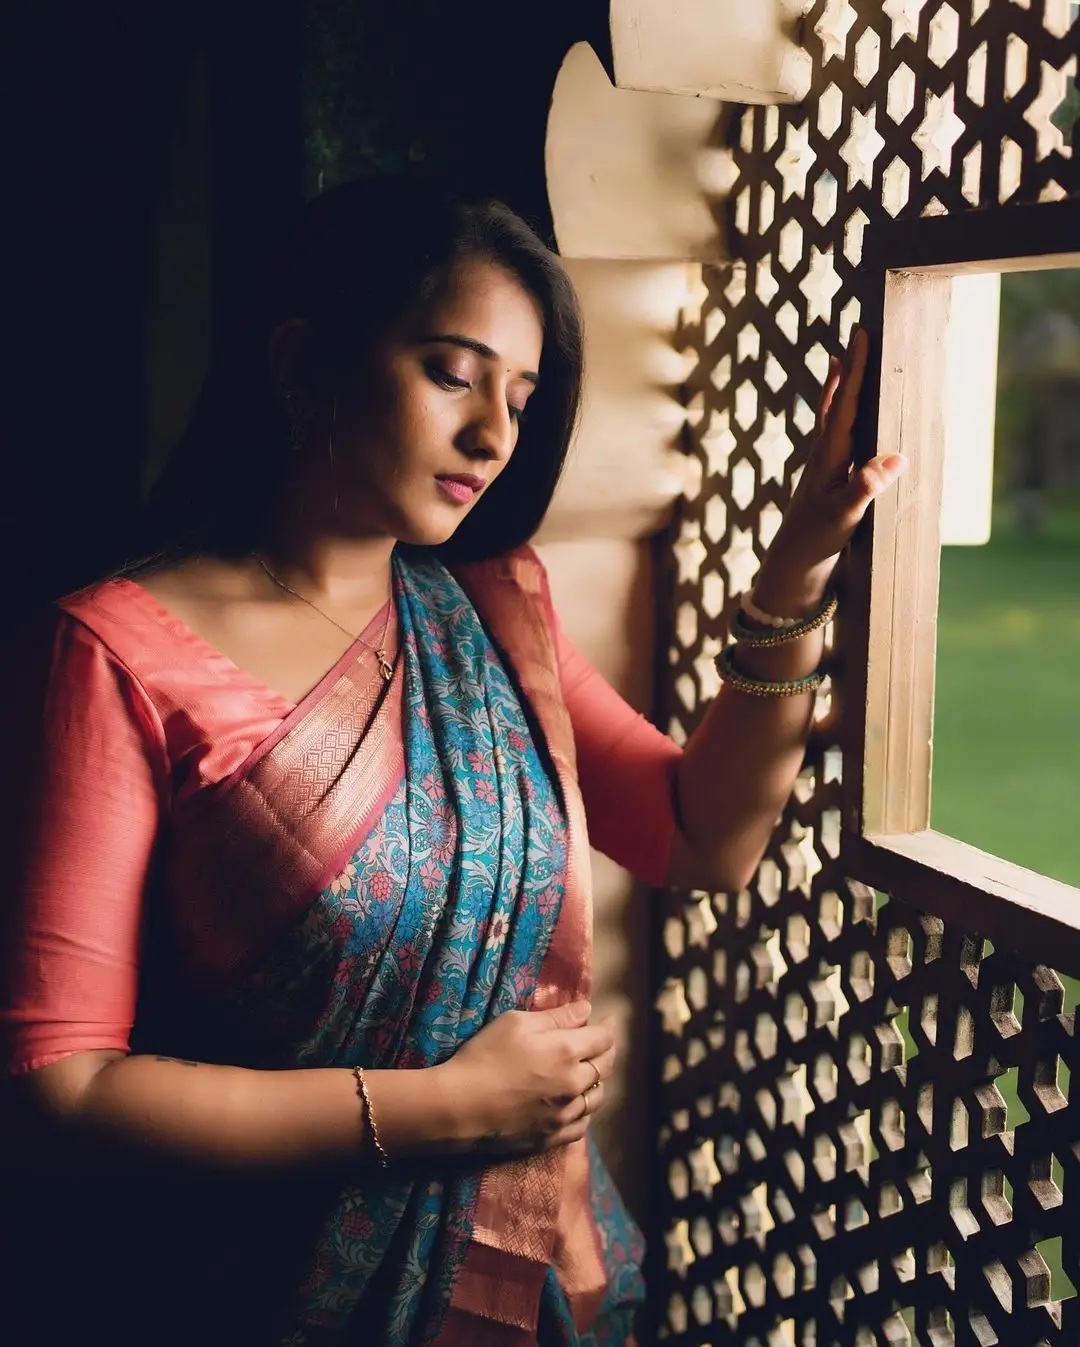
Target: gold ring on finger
{"points": [[596, 1083], [585, 1101]]}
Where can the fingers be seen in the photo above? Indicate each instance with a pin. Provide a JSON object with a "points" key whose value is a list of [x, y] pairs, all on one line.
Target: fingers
{"points": [[871, 480], [847, 397], [570, 1016], [567, 1135], [593, 1040], [832, 383], [584, 1105], [592, 1068], [844, 403]]}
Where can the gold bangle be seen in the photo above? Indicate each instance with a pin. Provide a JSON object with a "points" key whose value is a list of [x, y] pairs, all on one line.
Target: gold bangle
{"points": [[758, 687], [380, 1150]]}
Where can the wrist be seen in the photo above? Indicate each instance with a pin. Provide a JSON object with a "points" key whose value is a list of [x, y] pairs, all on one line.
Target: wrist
{"points": [[418, 1111], [791, 593], [455, 1103]]}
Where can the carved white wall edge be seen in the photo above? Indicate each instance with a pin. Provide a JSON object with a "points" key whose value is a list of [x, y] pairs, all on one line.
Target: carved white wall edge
{"points": [[741, 51], [626, 469], [603, 591], [633, 175]]}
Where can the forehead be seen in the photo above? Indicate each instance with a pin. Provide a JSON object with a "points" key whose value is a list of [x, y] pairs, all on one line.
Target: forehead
{"points": [[484, 301]]}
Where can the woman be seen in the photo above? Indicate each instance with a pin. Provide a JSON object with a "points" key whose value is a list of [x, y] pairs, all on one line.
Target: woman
{"points": [[311, 791]]}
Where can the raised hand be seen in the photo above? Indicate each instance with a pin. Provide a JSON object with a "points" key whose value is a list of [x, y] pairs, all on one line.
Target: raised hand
{"points": [[831, 498]]}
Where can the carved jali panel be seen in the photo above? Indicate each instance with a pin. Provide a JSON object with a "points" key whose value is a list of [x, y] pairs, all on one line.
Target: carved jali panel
{"points": [[865, 1131]]}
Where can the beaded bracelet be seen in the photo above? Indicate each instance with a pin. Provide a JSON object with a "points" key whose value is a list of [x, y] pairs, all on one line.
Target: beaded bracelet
{"points": [[741, 630], [764, 619], [380, 1150], [758, 687]]}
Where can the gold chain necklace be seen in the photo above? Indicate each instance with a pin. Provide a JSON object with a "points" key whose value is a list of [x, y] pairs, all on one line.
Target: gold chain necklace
{"points": [[385, 667]]}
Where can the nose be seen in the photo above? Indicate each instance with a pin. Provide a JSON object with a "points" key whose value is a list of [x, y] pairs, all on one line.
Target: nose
{"points": [[491, 431]]}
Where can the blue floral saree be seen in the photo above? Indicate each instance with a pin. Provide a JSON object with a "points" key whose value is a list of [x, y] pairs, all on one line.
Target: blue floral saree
{"points": [[398, 867]]}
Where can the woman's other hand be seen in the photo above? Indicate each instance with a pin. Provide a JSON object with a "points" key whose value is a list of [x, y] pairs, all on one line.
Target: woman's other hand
{"points": [[530, 1080], [830, 500]]}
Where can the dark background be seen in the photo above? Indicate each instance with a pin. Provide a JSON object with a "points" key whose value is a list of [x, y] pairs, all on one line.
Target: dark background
{"points": [[154, 153]]}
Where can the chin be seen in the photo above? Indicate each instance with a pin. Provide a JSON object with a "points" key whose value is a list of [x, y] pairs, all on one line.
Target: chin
{"points": [[430, 529]]}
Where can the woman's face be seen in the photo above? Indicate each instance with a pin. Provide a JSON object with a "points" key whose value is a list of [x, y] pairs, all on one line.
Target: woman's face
{"points": [[434, 419]]}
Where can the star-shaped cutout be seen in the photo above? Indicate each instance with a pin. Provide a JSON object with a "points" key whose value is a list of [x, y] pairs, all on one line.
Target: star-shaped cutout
{"points": [[773, 447], [839, 1001], [938, 132], [833, 27], [690, 552], [703, 1166], [797, 1103], [680, 1251], [674, 1011], [740, 561], [1053, 85], [904, 16], [700, 922], [802, 860], [795, 162], [862, 147], [719, 441]]}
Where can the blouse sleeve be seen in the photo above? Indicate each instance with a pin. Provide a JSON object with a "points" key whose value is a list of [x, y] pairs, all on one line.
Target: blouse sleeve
{"points": [[626, 768], [86, 785]]}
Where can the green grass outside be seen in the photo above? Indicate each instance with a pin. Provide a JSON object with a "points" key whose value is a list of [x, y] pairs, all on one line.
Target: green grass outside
{"points": [[1006, 773], [1007, 708]]}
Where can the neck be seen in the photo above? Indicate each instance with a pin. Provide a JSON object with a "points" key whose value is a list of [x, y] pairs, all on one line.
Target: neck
{"points": [[346, 572]]}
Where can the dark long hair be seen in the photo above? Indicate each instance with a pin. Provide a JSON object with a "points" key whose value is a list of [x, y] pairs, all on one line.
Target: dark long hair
{"points": [[361, 257]]}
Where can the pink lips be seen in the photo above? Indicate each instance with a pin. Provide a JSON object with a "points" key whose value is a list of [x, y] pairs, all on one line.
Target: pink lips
{"points": [[462, 487]]}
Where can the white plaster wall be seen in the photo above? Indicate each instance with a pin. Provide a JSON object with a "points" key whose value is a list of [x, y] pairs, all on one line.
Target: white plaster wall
{"points": [[626, 469], [602, 590]]}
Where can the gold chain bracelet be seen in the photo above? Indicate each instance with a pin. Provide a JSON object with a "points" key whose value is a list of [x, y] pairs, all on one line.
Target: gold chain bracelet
{"points": [[380, 1150]]}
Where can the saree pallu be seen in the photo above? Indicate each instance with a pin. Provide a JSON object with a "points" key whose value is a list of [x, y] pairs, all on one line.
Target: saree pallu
{"points": [[376, 895]]}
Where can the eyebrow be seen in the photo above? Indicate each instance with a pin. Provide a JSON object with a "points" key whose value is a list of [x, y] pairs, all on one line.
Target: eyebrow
{"points": [[480, 349]]}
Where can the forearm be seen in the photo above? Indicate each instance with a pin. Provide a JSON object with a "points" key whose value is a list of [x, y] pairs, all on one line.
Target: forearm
{"points": [[741, 763], [162, 1110]]}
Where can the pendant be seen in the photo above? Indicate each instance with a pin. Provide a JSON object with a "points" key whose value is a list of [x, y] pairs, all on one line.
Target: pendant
{"points": [[385, 667]]}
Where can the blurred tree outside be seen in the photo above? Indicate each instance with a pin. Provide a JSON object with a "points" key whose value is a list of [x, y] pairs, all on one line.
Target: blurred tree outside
{"points": [[1037, 449]]}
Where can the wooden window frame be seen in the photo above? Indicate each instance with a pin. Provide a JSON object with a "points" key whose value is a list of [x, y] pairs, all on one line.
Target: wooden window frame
{"points": [[891, 599]]}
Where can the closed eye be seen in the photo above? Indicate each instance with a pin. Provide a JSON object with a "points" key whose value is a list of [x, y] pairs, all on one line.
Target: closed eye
{"points": [[444, 379], [437, 374]]}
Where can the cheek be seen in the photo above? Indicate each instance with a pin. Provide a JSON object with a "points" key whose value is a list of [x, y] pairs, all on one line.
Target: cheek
{"points": [[427, 422], [389, 432]]}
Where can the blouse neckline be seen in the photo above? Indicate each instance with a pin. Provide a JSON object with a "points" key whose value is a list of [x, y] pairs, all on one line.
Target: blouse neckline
{"points": [[290, 711]]}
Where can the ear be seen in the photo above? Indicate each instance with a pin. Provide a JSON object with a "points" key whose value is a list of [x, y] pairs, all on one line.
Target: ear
{"points": [[290, 347]]}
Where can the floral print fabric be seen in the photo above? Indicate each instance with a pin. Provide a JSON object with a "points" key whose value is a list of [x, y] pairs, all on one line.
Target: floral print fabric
{"points": [[438, 923]]}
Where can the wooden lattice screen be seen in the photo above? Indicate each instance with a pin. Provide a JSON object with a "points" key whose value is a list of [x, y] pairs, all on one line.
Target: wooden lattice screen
{"points": [[837, 1164]]}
